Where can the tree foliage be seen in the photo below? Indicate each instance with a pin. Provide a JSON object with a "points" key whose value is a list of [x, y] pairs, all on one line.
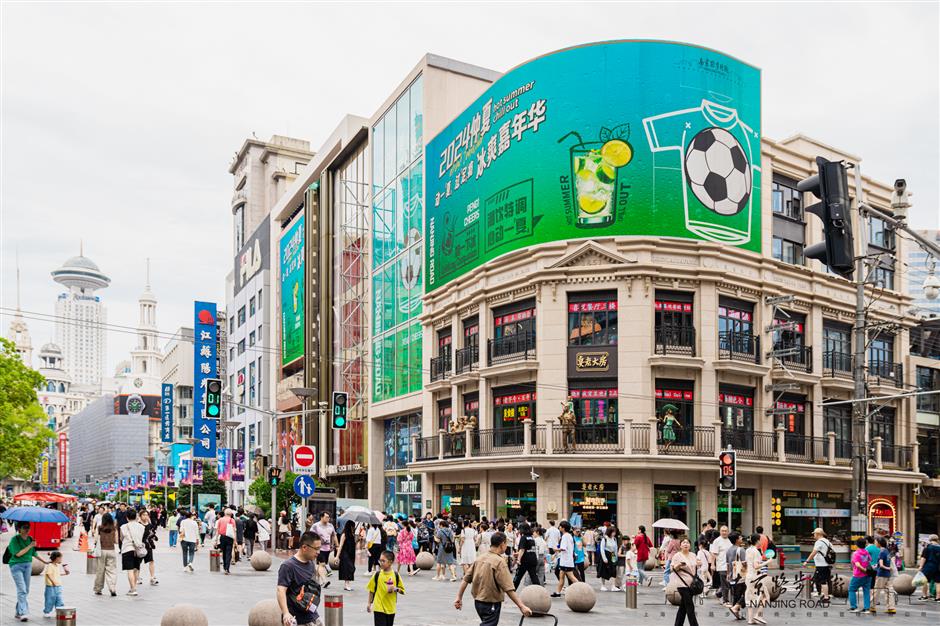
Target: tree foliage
{"points": [[23, 431], [261, 490]]}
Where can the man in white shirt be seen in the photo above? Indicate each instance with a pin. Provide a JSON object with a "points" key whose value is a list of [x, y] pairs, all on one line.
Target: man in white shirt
{"points": [[565, 556], [823, 573], [210, 520], [719, 548], [327, 533], [189, 539], [132, 538], [552, 537]]}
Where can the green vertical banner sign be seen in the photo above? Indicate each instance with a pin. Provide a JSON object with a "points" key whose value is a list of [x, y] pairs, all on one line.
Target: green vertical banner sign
{"points": [[619, 138], [292, 292]]}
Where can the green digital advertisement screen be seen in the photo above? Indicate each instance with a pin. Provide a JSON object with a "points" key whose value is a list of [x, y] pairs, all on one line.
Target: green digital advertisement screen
{"points": [[292, 292], [619, 138]]}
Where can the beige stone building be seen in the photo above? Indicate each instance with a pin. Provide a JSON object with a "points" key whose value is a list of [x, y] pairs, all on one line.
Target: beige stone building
{"points": [[626, 325]]}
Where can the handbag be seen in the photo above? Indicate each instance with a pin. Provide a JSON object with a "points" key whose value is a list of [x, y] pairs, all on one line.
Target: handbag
{"points": [[697, 586], [230, 530]]}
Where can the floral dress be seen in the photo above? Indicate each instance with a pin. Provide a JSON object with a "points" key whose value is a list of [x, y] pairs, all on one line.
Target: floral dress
{"points": [[406, 551]]}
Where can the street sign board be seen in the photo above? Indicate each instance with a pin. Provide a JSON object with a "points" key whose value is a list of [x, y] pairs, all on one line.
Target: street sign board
{"points": [[304, 459], [304, 486], [780, 299]]}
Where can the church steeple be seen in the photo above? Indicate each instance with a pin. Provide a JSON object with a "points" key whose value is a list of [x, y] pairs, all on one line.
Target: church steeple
{"points": [[19, 331], [146, 357]]}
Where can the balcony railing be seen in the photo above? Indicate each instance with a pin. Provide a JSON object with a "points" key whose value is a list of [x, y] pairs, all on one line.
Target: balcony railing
{"points": [[677, 340], [836, 363], [885, 370], [520, 347], [634, 439], [440, 367], [467, 358], [798, 358], [738, 346]]}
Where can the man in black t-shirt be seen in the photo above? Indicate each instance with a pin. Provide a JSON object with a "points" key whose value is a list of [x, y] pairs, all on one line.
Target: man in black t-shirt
{"points": [[296, 579]]}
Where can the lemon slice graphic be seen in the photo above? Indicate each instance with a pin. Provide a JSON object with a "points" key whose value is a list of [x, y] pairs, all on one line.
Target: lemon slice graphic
{"points": [[591, 205], [617, 152]]}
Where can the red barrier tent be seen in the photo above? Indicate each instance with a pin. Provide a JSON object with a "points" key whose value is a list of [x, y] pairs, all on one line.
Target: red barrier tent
{"points": [[43, 496]]}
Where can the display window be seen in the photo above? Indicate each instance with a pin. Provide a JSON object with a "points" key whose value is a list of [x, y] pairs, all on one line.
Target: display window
{"points": [[592, 319], [681, 394], [509, 411], [515, 501], [736, 411], [594, 502]]}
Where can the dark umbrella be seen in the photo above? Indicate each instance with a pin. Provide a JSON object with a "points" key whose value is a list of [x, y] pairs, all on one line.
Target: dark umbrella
{"points": [[34, 514]]}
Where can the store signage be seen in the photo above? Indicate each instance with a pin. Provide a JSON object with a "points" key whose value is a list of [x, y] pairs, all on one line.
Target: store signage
{"points": [[619, 150], [585, 394], [591, 307], [511, 318], [735, 314], [63, 463], [592, 486], [44, 472], [166, 413], [673, 307], [409, 487], [591, 363], [253, 256], [813, 512], [514, 398], [675, 394], [205, 366], [731, 398]]}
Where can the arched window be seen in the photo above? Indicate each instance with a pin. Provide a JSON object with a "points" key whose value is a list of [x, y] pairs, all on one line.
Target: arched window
{"points": [[144, 365], [50, 386], [61, 387]]}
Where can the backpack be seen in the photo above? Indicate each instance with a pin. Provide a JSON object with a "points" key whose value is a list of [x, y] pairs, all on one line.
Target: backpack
{"points": [[422, 534], [7, 555], [830, 554], [449, 546], [307, 595]]}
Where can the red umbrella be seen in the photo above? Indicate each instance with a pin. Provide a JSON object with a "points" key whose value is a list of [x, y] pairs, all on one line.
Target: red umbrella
{"points": [[43, 496]]}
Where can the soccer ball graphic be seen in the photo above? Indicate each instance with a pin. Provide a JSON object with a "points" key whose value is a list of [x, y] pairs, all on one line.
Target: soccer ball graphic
{"points": [[410, 264], [718, 171]]}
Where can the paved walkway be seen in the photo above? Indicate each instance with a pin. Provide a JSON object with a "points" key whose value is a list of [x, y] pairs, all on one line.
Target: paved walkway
{"points": [[228, 599]]}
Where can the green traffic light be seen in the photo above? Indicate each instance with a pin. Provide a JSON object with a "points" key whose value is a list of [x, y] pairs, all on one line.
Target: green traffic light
{"points": [[213, 410]]}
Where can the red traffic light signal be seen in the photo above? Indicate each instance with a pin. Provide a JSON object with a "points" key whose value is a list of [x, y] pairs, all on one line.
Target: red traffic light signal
{"points": [[727, 471]]}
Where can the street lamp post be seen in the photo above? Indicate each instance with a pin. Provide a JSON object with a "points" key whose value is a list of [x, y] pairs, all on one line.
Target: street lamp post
{"points": [[127, 494]]}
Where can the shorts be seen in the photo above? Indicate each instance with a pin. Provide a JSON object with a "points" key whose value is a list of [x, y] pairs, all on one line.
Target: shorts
{"points": [[562, 568], [148, 558], [129, 561], [932, 576], [822, 575], [323, 557]]}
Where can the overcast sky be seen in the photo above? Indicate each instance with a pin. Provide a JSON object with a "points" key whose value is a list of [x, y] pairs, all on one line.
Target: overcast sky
{"points": [[119, 120]]}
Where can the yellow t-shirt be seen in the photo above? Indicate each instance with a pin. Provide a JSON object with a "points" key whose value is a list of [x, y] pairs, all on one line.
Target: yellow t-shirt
{"points": [[384, 602], [52, 575]]}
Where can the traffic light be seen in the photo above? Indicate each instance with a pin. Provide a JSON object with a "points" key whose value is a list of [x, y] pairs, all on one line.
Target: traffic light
{"points": [[274, 476], [831, 186], [340, 408], [213, 398], [727, 471]]}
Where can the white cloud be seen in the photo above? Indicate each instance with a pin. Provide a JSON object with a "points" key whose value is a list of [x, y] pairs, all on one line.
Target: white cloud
{"points": [[119, 120]]}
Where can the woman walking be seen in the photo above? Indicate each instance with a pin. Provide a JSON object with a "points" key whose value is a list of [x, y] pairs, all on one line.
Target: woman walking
{"points": [[884, 576], [684, 565], [468, 546], [642, 544], [347, 555], [527, 558], [264, 533], [607, 567], [406, 548], [150, 540], [861, 561], [106, 540], [283, 531], [250, 534], [756, 580], [446, 549], [22, 549], [374, 544]]}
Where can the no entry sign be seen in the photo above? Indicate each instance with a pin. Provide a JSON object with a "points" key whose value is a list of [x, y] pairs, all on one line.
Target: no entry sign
{"points": [[304, 459]]}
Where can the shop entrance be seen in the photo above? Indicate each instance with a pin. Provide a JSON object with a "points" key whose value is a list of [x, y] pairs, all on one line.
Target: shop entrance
{"points": [[596, 503], [675, 502], [742, 510], [461, 500], [515, 501]]}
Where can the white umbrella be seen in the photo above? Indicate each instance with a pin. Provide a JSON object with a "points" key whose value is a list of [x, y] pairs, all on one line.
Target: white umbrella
{"points": [[358, 515], [669, 524]]}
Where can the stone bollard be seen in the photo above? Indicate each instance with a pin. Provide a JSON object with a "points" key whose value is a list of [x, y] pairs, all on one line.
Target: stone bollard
{"points": [[265, 613], [260, 561], [184, 615], [424, 560], [580, 597], [536, 598], [37, 567]]}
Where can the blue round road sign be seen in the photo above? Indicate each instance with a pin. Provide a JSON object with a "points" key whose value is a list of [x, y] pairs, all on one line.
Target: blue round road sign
{"points": [[304, 486]]}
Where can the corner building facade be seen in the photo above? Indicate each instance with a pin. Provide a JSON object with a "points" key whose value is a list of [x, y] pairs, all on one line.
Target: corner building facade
{"points": [[624, 325]]}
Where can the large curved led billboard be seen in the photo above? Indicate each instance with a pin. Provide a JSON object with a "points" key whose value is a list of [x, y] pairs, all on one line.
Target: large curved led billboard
{"points": [[619, 138]]}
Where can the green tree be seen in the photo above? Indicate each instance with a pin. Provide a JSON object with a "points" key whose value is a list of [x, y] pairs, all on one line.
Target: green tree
{"points": [[23, 431], [261, 490]]}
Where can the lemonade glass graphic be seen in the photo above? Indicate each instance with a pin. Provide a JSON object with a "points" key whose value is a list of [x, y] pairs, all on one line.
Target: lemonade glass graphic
{"points": [[594, 170]]}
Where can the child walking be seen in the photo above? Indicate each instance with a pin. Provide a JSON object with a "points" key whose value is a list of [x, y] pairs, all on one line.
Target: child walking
{"points": [[383, 588], [53, 583]]}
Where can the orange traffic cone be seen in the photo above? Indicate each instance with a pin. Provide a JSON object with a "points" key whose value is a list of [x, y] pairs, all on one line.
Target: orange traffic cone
{"points": [[83, 542]]}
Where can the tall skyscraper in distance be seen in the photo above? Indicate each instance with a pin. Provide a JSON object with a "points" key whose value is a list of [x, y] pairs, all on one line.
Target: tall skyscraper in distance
{"points": [[918, 262], [80, 319]]}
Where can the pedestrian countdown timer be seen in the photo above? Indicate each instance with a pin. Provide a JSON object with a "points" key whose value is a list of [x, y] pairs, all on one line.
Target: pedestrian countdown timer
{"points": [[213, 397], [727, 471], [340, 408]]}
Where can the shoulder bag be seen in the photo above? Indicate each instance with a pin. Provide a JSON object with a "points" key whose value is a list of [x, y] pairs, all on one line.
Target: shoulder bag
{"points": [[697, 586]]}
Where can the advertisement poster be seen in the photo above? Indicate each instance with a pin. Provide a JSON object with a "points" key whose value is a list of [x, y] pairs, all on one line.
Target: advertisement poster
{"points": [[292, 292], [288, 435], [183, 472], [238, 465], [170, 476], [197, 473], [63, 464], [223, 464], [205, 366], [650, 138], [161, 475]]}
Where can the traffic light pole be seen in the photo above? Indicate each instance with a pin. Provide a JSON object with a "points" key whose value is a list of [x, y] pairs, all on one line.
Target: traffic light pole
{"points": [[859, 503]]}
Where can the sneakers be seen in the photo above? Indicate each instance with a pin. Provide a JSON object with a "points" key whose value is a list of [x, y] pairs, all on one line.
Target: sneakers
{"points": [[603, 588], [615, 588], [855, 610], [114, 594], [154, 581], [891, 611], [48, 615], [556, 595], [132, 592], [190, 566]]}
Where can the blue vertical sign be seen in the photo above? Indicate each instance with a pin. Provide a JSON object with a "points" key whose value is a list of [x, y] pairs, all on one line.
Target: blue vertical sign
{"points": [[204, 365], [166, 413]]}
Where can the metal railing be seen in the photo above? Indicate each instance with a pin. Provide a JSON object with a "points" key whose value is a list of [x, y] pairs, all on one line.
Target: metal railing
{"points": [[750, 444], [455, 444], [887, 370], [440, 367], [678, 340], [837, 363], [738, 346], [640, 442], [426, 448], [467, 358], [586, 439], [701, 443], [801, 358], [519, 347]]}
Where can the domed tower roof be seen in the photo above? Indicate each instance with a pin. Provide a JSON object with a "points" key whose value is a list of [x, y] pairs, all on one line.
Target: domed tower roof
{"points": [[50, 349], [81, 272]]}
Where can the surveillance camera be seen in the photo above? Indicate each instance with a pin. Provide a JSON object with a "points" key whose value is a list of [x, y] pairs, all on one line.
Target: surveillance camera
{"points": [[900, 185], [533, 475], [900, 199], [932, 287]]}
